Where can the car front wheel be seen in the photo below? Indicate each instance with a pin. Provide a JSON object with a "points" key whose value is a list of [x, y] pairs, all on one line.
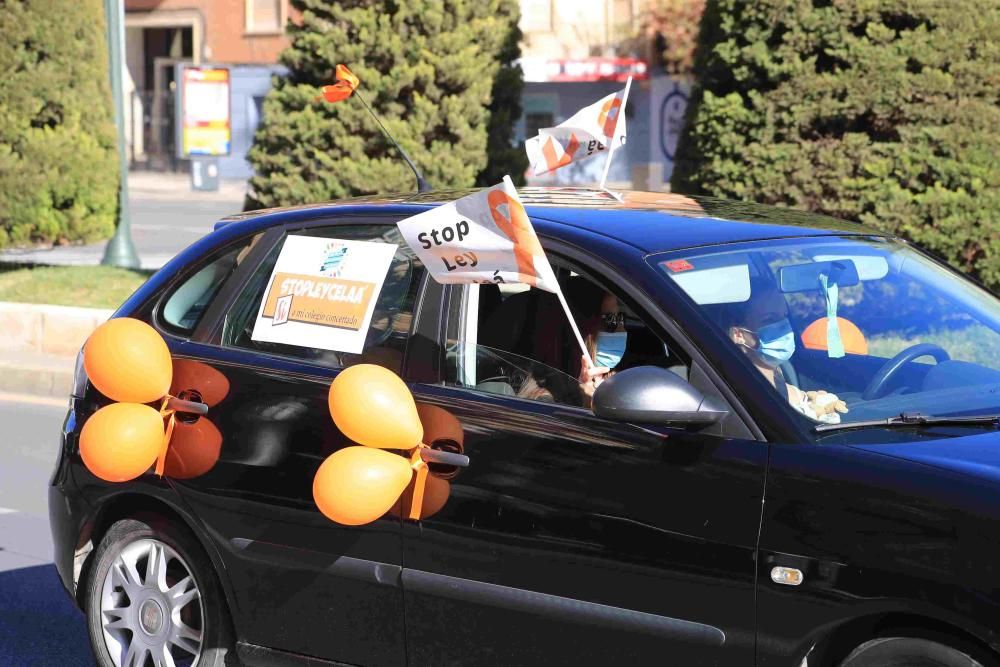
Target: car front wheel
{"points": [[907, 652], [152, 598]]}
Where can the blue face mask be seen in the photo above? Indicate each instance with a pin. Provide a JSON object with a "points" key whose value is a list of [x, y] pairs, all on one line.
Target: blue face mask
{"points": [[776, 343], [610, 348]]}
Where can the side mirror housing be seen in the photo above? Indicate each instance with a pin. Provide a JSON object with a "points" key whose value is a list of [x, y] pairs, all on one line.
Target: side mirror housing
{"points": [[652, 395]]}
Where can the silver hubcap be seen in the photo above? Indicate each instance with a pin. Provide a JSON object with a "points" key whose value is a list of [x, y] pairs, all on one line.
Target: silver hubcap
{"points": [[151, 608]]}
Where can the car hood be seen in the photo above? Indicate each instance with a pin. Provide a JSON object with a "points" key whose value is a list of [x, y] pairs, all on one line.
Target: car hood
{"points": [[974, 455]]}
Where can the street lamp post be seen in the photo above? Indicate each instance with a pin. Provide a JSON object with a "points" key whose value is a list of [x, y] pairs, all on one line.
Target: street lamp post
{"points": [[120, 250]]}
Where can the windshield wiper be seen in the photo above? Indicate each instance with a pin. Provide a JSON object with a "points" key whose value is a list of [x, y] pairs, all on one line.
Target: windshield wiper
{"points": [[911, 419]]}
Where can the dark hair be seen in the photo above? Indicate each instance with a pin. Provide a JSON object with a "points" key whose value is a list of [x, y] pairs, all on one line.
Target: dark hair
{"points": [[735, 314], [554, 342], [584, 299]]}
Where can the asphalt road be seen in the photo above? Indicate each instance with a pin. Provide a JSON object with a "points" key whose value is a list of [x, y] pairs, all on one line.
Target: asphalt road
{"points": [[164, 228], [39, 626]]}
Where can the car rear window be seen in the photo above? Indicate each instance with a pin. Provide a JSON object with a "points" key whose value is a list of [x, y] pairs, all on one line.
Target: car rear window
{"points": [[391, 322], [187, 303]]}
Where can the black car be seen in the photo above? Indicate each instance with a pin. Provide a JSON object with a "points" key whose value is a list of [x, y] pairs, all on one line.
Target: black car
{"points": [[795, 459]]}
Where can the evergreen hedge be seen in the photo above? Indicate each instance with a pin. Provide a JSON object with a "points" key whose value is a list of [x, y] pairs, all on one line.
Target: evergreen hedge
{"points": [[504, 156], [428, 69], [883, 112], [58, 155]]}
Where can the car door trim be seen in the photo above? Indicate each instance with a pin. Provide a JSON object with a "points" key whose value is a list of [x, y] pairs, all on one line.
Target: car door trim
{"points": [[253, 655], [360, 569], [560, 608]]}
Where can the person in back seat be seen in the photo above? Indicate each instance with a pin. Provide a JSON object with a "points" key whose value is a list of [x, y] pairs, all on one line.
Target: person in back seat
{"points": [[551, 341]]}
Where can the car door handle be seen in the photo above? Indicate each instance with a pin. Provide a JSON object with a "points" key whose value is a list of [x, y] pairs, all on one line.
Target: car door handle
{"points": [[187, 407], [428, 455]]}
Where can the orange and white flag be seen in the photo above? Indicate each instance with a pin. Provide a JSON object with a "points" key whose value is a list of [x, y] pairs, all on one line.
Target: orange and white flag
{"points": [[590, 131], [485, 237], [346, 84]]}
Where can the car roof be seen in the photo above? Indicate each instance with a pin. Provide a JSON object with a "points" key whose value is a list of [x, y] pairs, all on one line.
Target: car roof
{"points": [[650, 221]]}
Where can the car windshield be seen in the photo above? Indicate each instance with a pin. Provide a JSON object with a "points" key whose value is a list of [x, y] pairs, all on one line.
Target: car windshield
{"points": [[850, 328]]}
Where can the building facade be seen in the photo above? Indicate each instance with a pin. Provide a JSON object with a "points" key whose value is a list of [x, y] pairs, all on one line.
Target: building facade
{"points": [[245, 35], [573, 53]]}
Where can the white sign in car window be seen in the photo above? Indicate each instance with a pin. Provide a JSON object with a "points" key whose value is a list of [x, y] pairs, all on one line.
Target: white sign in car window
{"points": [[322, 293]]}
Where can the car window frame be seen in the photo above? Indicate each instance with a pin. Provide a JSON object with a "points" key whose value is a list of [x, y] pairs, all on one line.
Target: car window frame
{"points": [[772, 412], [211, 333], [164, 294], [662, 325], [431, 309], [215, 314]]}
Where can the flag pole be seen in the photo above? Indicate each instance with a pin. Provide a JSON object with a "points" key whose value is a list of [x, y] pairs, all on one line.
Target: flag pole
{"points": [[614, 135], [422, 185]]}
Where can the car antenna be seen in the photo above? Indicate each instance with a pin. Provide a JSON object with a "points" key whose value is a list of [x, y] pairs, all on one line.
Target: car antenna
{"points": [[347, 86], [422, 185]]}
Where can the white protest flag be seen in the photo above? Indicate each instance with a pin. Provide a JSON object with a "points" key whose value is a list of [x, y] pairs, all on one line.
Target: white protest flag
{"points": [[485, 237], [591, 130]]}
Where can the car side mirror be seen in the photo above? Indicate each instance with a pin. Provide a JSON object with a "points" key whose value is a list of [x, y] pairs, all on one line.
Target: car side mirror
{"points": [[652, 395]]}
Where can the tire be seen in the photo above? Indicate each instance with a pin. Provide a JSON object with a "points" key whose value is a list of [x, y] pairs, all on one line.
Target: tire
{"points": [[176, 605], [907, 652]]}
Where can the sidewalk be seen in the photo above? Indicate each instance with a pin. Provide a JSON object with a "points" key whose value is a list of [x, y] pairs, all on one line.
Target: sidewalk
{"points": [[40, 344], [174, 186], [166, 216]]}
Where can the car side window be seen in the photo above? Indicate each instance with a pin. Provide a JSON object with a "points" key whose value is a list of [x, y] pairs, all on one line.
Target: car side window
{"points": [[514, 340], [186, 304], [391, 321]]}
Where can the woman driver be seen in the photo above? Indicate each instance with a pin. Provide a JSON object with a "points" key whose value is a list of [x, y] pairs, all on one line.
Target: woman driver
{"points": [[760, 327]]}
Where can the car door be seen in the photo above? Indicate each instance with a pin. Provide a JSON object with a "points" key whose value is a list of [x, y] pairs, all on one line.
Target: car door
{"points": [[571, 539], [302, 583]]}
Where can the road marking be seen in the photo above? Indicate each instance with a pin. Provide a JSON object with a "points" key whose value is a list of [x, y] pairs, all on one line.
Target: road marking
{"points": [[4, 510], [33, 400]]}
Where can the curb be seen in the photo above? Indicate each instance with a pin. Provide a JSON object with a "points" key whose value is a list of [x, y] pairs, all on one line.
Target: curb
{"points": [[40, 343], [36, 379], [76, 255]]}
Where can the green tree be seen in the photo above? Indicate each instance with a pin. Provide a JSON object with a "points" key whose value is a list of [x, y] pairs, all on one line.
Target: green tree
{"points": [[58, 156], [427, 67], [885, 112], [504, 157], [673, 26]]}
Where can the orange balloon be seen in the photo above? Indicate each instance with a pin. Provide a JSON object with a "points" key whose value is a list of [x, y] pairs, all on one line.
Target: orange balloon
{"points": [[357, 485], [128, 361], [121, 441], [194, 449], [372, 406], [189, 374], [439, 424], [814, 336]]}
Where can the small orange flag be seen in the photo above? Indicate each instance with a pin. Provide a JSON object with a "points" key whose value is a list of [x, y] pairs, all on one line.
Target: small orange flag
{"points": [[346, 83]]}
